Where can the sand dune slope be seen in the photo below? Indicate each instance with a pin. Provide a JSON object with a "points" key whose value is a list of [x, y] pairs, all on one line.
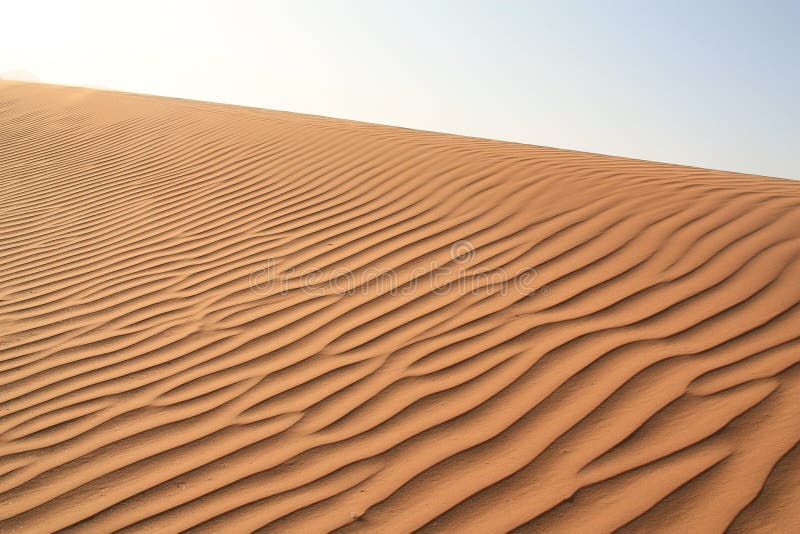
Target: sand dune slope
{"points": [[228, 319]]}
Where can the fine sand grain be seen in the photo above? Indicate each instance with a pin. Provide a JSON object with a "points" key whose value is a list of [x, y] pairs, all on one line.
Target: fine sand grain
{"points": [[227, 319]]}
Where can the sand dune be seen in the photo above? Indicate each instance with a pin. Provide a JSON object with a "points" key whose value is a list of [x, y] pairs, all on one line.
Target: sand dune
{"points": [[227, 319]]}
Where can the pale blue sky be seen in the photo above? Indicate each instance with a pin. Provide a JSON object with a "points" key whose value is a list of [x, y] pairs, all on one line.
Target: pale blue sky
{"points": [[707, 83]]}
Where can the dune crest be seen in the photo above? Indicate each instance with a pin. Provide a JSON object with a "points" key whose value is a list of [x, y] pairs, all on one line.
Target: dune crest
{"points": [[222, 317]]}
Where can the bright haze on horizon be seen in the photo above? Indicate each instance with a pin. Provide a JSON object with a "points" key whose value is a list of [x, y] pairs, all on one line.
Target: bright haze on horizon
{"points": [[711, 84]]}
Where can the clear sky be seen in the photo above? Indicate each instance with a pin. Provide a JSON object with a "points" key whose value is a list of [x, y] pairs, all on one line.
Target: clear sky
{"points": [[707, 83]]}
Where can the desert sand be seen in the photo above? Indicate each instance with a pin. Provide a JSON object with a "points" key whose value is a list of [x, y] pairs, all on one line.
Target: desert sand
{"points": [[228, 319]]}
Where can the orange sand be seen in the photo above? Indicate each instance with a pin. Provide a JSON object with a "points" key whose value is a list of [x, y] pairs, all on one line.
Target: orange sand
{"points": [[632, 365]]}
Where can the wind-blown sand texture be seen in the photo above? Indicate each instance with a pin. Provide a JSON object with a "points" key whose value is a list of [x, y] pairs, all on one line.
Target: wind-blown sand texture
{"points": [[635, 368]]}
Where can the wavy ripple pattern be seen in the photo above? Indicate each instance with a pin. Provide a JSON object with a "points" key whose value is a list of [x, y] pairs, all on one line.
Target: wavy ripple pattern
{"points": [[635, 370]]}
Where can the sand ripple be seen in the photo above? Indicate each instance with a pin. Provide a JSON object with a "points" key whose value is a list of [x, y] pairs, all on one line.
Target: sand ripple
{"points": [[197, 330]]}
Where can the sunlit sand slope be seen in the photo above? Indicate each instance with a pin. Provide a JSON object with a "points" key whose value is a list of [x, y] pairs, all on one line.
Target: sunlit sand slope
{"points": [[228, 319]]}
